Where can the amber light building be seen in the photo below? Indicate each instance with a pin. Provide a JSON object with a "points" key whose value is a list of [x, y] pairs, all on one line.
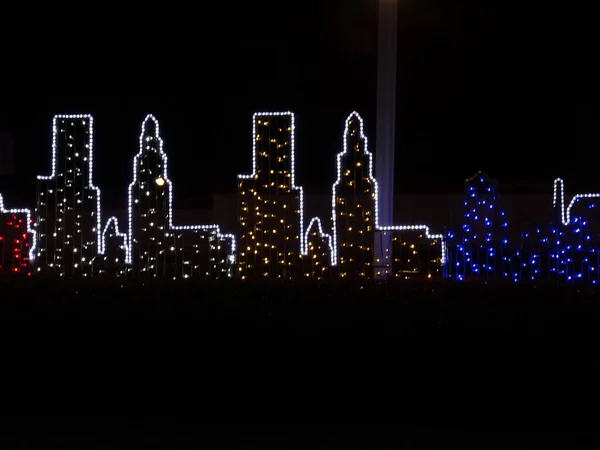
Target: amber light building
{"points": [[353, 205], [270, 206]]}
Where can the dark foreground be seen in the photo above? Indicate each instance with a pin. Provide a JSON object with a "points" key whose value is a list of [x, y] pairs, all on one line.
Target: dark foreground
{"points": [[166, 365], [312, 307]]}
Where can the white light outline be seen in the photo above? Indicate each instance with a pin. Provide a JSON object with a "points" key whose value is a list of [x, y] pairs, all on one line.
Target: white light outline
{"points": [[90, 185], [118, 234], [378, 227], [316, 221], [565, 214], [30, 229], [300, 189], [163, 155]]}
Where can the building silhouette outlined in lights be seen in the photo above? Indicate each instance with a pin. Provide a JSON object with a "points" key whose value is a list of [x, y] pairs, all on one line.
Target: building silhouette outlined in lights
{"points": [[353, 205], [270, 205], [274, 242], [68, 204], [355, 217], [155, 247]]}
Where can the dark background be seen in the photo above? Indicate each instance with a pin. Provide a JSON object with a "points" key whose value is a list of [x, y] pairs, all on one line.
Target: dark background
{"points": [[511, 89]]}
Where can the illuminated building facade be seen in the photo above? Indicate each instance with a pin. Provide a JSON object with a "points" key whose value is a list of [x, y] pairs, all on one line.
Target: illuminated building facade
{"points": [[68, 203], [155, 247], [271, 217], [353, 204], [16, 240]]}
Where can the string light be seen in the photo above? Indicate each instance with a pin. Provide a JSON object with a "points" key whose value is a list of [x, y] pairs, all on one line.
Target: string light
{"points": [[72, 152], [229, 238], [21, 239], [274, 250], [335, 238], [315, 222], [559, 196], [481, 249], [115, 223], [112, 259], [565, 251]]}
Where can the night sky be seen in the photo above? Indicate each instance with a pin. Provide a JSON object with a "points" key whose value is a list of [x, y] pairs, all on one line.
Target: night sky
{"points": [[481, 85]]}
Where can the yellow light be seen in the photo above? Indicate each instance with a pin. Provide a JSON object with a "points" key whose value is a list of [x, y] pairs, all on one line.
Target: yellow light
{"points": [[160, 181]]}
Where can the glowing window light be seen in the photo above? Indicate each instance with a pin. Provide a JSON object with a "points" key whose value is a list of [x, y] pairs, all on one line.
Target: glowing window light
{"points": [[164, 158]]}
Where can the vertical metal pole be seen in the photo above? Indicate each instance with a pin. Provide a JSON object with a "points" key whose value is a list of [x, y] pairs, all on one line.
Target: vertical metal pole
{"points": [[385, 133]]}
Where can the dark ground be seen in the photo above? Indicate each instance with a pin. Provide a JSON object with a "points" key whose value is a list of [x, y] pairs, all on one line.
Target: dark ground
{"points": [[165, 366]]}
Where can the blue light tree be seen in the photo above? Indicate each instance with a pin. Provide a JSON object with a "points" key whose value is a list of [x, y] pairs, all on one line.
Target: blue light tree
{"points": [[479, 251], [574, 254], [564, 250]]}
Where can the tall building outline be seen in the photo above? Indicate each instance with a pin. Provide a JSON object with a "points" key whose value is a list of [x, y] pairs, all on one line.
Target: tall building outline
{"points": [[300, 189], [378, 226], [353, 204], [262, 174], [90, 176], [170, 226]]}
